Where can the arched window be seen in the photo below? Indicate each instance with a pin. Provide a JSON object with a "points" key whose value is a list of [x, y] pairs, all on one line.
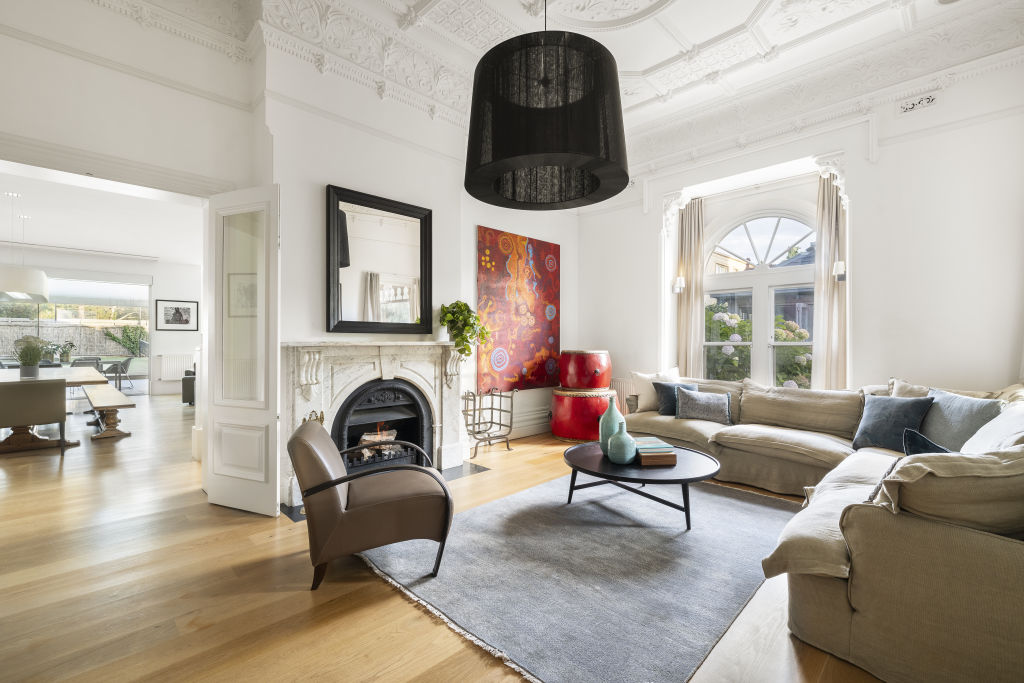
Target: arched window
{"points": [[759, 303]]}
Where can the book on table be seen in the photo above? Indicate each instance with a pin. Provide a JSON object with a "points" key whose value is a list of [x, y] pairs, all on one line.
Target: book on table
{"points": [[651, 445], [655, 459]]}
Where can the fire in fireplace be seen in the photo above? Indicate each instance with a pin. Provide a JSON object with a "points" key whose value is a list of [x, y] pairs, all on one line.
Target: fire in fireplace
{"points": [[383, 410]]}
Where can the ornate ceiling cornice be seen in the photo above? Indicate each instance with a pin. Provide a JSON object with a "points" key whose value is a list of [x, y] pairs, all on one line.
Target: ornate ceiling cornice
{"points": [[336, 38], [859, 80], [220, 25]]}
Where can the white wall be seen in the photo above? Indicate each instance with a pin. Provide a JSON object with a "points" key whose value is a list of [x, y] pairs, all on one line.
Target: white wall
{"points": [[95, 92], [343, 135], [936, 232]]}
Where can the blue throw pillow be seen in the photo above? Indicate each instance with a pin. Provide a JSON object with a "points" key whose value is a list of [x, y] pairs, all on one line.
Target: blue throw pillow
{"points": [[953, 419], [695, 405], [914, 442], [885, 418], [667, 396]]}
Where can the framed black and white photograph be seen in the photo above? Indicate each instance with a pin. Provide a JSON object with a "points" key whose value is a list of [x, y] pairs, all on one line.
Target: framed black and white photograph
{"points": [[177, 315], [242, 295]]}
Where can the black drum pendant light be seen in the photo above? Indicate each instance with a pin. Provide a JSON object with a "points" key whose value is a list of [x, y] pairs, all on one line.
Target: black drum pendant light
{"points": [[545, 127]]}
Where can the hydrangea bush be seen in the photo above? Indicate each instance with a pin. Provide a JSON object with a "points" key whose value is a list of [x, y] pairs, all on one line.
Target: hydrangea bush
{"points": [[732, 362]]}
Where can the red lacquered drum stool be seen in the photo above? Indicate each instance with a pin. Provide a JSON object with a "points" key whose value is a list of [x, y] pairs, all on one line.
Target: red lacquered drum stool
{"points": [[577, 405], [585, 370]]}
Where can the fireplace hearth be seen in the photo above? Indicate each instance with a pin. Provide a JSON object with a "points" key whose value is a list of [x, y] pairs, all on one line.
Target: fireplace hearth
{"points": [[374, 412]]}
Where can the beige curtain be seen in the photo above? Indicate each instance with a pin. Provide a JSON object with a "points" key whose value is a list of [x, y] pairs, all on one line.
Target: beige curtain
{"points": [[690, 303], [371, 302], [829, 290]]}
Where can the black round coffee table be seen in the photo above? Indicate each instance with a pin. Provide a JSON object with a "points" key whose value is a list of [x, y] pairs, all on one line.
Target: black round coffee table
{"points": [[690, 466]]}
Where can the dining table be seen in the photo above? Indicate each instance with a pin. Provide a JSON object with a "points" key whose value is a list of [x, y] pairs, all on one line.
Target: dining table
{"points": [[22, 437]]}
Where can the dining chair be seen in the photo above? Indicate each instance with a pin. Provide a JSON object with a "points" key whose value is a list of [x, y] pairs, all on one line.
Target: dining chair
{"points": [[119, 369], [33, 402], [349, 513]]}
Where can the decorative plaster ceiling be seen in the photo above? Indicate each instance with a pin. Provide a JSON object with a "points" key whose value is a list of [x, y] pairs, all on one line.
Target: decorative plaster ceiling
{"points": [[685, 65]]}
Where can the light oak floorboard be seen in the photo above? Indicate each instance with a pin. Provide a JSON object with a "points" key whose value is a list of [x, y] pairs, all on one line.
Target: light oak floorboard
{"points": [[114, 567]]}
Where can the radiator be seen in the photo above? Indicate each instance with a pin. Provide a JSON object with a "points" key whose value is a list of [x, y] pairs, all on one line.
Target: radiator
{"points": [[622, 389], [172, 366]]}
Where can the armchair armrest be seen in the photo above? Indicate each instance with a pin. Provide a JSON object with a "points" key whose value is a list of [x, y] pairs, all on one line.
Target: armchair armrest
{"points": [[932, 600], [374, 471]]}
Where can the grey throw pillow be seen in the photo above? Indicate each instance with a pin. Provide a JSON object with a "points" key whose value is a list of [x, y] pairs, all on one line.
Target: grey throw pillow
{"points": [[667, 395], [696, 405], [953, 419], [885, 418]]}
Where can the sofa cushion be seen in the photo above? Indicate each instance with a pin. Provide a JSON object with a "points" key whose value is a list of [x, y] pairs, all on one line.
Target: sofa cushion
{"points": [[832, 412], [720, 386], [953, 419], [904, 389], [797, 445], [863, 468], [666, 392], [702, 405], [885, 418], [643, 383], [812, 542], [1002, 433], [693, 432], [1014, 392], [984, 492]]}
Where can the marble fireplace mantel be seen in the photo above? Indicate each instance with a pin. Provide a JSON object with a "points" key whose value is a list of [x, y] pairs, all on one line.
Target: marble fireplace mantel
{"points": [[319, 376]]}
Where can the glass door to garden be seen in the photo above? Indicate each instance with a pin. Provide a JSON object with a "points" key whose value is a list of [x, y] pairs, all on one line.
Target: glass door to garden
{"points": [[104, 324]]}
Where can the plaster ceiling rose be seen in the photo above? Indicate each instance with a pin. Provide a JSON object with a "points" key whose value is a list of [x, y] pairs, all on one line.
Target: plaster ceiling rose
{"points": [[604, 15]]}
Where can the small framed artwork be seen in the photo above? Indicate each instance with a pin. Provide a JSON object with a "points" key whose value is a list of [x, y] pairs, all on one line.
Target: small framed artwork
{"points": [[242, 296], [177, 315]]}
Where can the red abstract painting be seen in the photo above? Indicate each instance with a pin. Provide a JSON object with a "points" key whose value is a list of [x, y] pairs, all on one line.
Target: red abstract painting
{"points": [[517, 285]]}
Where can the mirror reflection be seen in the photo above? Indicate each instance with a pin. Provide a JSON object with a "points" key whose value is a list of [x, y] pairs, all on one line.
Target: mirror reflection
{"points": [[378, 264], [382, 281]]}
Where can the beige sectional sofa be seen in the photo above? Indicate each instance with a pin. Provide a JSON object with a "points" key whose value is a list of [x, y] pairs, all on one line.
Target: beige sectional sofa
{"points": [[910, 567], [782, 439]]}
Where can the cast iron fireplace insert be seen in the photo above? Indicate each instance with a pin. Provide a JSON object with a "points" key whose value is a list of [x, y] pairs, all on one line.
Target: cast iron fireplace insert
{"points": [[380, 405]]}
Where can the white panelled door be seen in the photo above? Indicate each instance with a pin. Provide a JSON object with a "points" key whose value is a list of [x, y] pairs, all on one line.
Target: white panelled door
{"points": [[240, 271]]}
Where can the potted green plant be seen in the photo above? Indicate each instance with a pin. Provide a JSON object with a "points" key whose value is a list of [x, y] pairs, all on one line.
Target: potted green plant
{"points": [[464, 327], [49, 349], [65, 350], [29, 352]]}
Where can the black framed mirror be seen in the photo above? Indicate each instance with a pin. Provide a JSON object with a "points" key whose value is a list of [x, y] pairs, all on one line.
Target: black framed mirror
{"points": [[378, 264]]}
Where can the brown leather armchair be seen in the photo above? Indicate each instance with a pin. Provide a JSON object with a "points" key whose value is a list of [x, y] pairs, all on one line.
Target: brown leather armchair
{"points": [[349, 513]]}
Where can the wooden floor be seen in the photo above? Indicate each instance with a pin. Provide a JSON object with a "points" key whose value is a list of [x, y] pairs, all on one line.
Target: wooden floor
{"points": [[114, 567]]}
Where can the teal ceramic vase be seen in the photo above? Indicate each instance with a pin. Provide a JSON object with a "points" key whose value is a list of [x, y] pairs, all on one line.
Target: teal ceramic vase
{"points": [[621, 447], [609, 424]]}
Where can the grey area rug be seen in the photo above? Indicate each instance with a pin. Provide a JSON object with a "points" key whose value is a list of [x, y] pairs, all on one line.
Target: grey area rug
{"points": [[609, 588]]}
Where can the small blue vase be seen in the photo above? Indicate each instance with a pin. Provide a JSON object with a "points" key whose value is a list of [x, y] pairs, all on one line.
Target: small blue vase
{"points": [[621, 447], [609, 424]]}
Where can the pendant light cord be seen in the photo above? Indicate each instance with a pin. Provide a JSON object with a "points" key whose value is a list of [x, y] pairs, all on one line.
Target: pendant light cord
{"points": [[545, 15]]}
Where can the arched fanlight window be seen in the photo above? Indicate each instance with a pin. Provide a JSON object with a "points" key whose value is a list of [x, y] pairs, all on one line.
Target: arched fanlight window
{"points": [[772, 241]]}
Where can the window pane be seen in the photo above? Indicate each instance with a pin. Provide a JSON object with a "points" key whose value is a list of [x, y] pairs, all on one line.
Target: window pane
{"points": [[761, 230], [724, 262], [727, 362], [794, 314], [800, 254], [793, 366], [790, 232], [737, 244], [727, 317]]}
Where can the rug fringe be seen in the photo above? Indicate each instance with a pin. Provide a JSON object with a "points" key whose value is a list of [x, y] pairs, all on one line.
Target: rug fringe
{"points": [[483, 645]]}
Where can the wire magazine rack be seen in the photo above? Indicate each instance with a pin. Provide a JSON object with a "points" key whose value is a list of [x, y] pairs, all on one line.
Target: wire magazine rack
{"points": [[488, 416]]}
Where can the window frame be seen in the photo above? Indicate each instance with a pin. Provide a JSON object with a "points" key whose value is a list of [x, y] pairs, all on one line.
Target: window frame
{"points": [[762, 280]]}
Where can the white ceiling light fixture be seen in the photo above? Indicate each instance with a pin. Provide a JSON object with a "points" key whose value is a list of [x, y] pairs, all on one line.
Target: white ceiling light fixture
{"points": [[19, 282]]}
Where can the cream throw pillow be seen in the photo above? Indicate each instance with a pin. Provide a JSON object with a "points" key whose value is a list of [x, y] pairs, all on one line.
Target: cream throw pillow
{"points": [[647, 397], [984, 492], [1003, 432]]}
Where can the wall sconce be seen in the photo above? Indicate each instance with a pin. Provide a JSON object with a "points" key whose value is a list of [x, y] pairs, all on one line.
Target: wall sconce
{"points": [[839, 270], [678, 285]]}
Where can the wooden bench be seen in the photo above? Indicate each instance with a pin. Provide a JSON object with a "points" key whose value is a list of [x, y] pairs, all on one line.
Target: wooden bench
{"points": [[106, 401]]}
